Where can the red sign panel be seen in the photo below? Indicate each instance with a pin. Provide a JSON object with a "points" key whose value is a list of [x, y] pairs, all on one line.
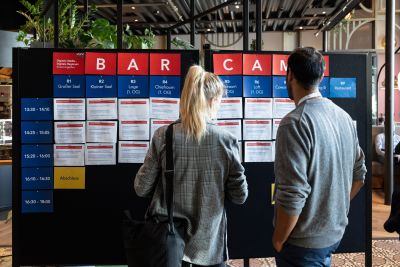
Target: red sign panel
{"points": [[326, 59], [68, 63], [133, 63], [165, 64], [279, 64], [101, 63], [254, 64], [227, 64]]}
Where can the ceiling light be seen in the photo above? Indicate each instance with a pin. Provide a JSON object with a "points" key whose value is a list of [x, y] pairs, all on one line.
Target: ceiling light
{"points": [[300, 27], [136, 20], [324, 12], [237, 6], [208, 29], [133, 7], [157, 12]]}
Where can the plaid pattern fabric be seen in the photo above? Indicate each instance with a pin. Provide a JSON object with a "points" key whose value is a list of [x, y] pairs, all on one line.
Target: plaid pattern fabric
{"points": [[206, 174]]}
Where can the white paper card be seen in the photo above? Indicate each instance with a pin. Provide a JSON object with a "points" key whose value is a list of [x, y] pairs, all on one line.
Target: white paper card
{"points": [[257, 129], [69, 155], [164, 108], [69, 109], [134, 130], [258, 108], [69, 132], [155, 124], [283, 106], [100, 154], [132, 152], [230, 108], [232, 126], [259, 151], [101, 131], [133, 109], [101, 108], [275, 126], [241, 151]]}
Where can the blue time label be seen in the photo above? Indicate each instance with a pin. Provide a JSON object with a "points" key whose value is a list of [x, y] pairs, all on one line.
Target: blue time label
{"points": [[101, 86], [257, 86], [36, 132], [37, 178], [279, 88], [233, 85], [133, 86], [165, 86], [37, 109], [37, 201], [36, 155], [69, 85], [342, 88]]}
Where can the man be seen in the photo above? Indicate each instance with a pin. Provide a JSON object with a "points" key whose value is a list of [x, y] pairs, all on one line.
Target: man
{"points": [[319, 168], [380, 147]]}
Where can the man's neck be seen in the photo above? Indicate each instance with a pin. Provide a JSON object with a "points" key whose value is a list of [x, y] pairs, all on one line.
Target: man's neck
{"points": [[303, 93]]}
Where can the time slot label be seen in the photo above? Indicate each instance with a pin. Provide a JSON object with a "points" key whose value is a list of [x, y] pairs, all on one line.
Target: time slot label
{"points": [[37, 132], [36, 109], [37, 201], [36, 155], [37, 178]]}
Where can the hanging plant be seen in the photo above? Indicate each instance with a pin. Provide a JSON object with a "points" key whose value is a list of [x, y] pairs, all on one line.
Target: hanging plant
{"points": [[181, 44]]}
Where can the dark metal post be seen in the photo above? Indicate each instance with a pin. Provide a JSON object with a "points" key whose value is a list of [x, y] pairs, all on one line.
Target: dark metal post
{"points": [[86, 7], [258, 25], [246, 263], [325, 41], [192, 24], [389, 105], [56, 28], [168, 39], [119, 24], [245, 25]]}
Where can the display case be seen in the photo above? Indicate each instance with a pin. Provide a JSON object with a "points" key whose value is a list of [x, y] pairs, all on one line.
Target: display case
{"points": [[5, 139]]}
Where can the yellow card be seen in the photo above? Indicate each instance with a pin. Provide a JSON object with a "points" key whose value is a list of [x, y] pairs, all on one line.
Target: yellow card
{"points": [[273, 194], [69, 177]]}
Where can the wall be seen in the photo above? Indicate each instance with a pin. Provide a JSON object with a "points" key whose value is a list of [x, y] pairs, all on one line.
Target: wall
{"points": [[7, 42]]}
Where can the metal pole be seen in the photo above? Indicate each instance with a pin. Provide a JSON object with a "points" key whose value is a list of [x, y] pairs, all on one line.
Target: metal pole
{"points": [[56, 28], [258, 25], [325, 41], [86, 7], [389, 105], [192, 24], [119, 23], [245, 25], [168, 39]]}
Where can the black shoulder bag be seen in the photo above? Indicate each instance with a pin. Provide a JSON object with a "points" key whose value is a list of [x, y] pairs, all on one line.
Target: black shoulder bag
{"points": [[157, 243]]}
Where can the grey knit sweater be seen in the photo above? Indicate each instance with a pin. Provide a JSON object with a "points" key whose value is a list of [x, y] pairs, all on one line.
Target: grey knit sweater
{"points": [[317, 159]]}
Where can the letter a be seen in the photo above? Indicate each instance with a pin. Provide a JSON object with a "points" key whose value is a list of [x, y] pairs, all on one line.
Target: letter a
{"points": [[133, 64], [257, 65], [225, 65], [100, 64], [164, 63]]}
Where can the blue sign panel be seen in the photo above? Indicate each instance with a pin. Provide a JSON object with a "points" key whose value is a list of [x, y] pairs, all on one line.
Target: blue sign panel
{"points": [[69, 85], [324, 87], [36, 155], [133, 86], [37, 178], [257, 86], [36, 132], [165, 86], [37, 109], [37, 201], [279, 88], [343, 88], [233, 85], [101, 86]]}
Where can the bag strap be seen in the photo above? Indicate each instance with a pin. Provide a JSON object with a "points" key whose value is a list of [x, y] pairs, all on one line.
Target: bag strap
{"points": [[169, 176]]}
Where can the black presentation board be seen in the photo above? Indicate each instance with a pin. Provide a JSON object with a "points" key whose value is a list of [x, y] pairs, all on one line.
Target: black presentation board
{"points": [[250, 225], [84, 227]]}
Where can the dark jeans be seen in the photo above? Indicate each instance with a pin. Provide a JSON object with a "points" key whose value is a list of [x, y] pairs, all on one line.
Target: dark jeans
{"points": [[294, 256], [186, 264]]}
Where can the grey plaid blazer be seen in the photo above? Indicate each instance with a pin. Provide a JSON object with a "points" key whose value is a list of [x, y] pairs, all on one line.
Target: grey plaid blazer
{"points": [[206, 175]]}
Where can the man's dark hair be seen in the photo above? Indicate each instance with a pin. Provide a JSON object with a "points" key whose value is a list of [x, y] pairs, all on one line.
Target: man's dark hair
{"points": [[307, 66]]}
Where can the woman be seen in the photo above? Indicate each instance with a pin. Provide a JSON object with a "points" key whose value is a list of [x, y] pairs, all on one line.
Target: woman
{"points": [[207, 171]]}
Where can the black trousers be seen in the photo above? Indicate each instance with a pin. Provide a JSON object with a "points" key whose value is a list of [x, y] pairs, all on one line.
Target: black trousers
{"points": [[186, 264]]}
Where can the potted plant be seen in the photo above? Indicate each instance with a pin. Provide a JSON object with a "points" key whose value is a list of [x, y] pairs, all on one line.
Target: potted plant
{"points": [[178, 43]]}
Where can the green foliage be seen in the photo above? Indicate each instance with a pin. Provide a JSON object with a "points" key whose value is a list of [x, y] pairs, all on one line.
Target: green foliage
{"points": [[181, 44], [102, 34], [131, 41]]}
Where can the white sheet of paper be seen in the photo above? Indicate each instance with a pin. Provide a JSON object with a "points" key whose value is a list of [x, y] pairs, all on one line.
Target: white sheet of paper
{"points": [[69, 109], [230, 108], [69, 155], [67, 132], [232, 126], [133, 109], [257, 129], [134, 130], [258, 108], [164, 108], [101, 108], [241, 151], [132, 152], [259, 151], [100, 154], [101, 131], [275, 126], [155, 124], [283, 106]]}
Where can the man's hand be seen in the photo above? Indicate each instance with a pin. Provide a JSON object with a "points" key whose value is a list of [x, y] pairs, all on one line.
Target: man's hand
{"points": [[277, 244], [284, 224]]}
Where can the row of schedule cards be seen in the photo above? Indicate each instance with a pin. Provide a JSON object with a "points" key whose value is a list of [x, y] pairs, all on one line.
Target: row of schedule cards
{"points": [[143, 109]]}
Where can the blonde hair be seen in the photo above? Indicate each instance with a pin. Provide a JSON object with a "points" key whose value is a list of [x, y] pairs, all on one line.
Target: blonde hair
{"points": [[196, 106]]}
